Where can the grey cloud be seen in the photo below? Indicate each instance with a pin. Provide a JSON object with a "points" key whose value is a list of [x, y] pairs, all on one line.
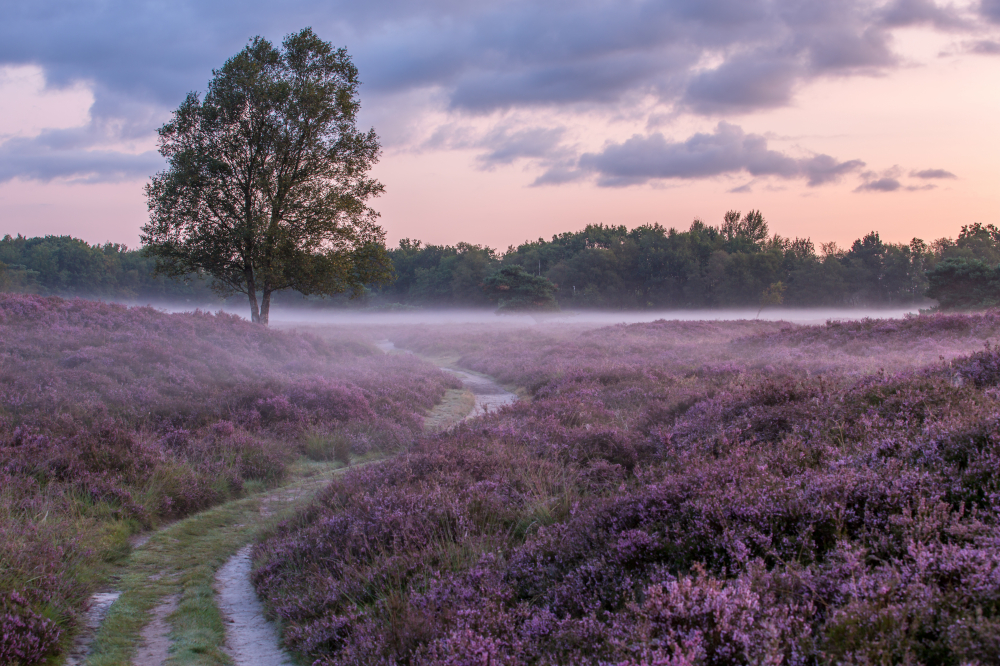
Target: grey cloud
{"points": [[84, 154], [739, 85], [142, 57], [601, 81], [880, 185], [932, 173], [728, 150], [848, 52], [903, 13], [985, 47], [990, 9], [33, 160], [484, 55], [506, 146], [823, 169], [888, 181], [559, 174]]}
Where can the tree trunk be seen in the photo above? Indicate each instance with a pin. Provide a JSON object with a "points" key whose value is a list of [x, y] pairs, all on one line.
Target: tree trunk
{"points": [[265, 306], [252, 293]]}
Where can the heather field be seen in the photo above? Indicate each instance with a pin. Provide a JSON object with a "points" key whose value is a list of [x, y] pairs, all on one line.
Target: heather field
{"points": [[671, 493], [115, 420]]}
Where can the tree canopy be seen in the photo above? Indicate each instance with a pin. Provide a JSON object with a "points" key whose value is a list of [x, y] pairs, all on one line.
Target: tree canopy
{"points": [[516, 290], [267, 185]]}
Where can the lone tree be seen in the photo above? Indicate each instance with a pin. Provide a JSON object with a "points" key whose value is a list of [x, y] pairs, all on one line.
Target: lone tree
{"points": [[516, 290], [267, 184], [773, 295]]}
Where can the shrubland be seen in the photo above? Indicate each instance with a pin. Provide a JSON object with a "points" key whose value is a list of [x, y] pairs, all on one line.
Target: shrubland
{"points": [[114, 420], [672, 493]]}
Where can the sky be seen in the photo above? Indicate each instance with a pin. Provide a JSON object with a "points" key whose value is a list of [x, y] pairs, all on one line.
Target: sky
{"points": [[504, 121]]}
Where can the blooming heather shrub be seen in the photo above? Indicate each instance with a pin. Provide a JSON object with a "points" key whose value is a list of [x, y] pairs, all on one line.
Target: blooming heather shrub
{"points": [[113, 418], [27, 637], [664, 500]]}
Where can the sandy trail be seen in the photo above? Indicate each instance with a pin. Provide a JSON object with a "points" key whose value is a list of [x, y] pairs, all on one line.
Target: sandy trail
{"points": [[99, 605], [250, 638], [155, 648], [489, 395]]}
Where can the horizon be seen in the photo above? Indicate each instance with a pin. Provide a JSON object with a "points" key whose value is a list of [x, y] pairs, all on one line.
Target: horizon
{"points": [[502, 123]]}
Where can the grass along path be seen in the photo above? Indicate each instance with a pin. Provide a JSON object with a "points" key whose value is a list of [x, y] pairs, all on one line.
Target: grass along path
{"points": [[168, 611], [175, 571]]}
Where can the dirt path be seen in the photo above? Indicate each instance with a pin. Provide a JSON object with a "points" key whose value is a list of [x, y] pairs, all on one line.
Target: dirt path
{"points": [[156, 591], [99, 605], [250, 638], [155, 646], [489, 395]]}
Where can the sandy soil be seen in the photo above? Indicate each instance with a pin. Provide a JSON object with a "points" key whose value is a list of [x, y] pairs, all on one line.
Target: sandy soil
{"points": [[155, 646], [99, 605], [490, 396], [250, 638]]}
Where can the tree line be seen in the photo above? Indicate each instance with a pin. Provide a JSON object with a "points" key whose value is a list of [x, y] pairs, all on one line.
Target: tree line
{"points": [[67, 266], [735, 264]]}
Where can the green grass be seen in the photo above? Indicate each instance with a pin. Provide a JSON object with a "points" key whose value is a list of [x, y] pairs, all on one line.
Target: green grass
{"points": [[453, 408], [182, 559]]}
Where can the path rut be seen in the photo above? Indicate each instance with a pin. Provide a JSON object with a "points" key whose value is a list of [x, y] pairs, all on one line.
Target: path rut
{"points": [[250, 637], [99, 605], [489, 395], [155, 648]]}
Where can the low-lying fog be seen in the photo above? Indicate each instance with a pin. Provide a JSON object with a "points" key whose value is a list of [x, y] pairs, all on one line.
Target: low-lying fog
{"points": [[592, 317]]}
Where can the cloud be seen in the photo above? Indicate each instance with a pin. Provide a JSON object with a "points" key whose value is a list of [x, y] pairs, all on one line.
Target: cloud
{"points": [[506, 146], [880, 185], [708, 57], [889, 180], [905, 13], [990, 10], [727, 150], [932, 173], [823, 169], [743, 85], [484, 55], [984, 47], [31, 159], [560, 174]]}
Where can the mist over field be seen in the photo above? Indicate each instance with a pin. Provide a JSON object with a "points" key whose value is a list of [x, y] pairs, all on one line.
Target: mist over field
{"points": [[285, 317]]}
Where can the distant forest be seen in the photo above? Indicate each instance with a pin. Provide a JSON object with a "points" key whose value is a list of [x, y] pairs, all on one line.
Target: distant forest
{"points": [[609, 267]]}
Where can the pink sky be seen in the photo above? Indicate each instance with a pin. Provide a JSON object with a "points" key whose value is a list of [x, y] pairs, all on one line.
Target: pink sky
{"points": [[936, 109]]}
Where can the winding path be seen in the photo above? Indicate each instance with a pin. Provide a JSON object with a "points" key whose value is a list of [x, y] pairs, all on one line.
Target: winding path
{"points": [[250, 639]]}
